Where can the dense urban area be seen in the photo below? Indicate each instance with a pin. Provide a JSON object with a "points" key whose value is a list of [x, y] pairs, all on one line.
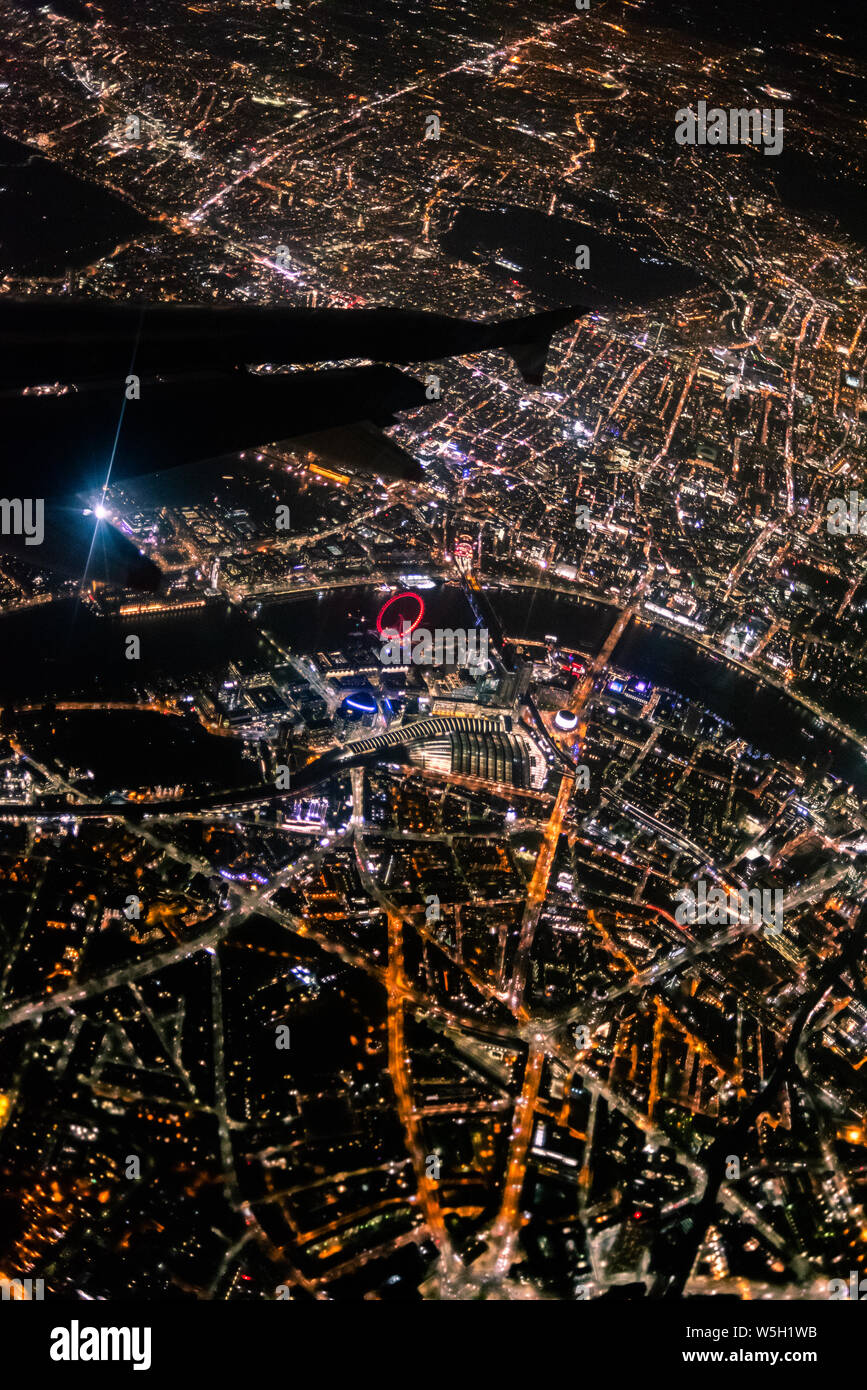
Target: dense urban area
{"points": [[527, 966]]}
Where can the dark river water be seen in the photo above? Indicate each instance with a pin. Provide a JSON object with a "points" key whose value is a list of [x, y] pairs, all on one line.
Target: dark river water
{"points": [[126, 750], [770, 720], [65, 651]]}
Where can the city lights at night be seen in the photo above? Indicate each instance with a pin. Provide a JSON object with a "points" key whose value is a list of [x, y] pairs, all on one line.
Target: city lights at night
{"points": [[433, 736]]}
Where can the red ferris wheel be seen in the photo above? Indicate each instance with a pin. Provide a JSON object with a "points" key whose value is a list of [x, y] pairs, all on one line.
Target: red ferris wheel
{"points": [[407, 622]]}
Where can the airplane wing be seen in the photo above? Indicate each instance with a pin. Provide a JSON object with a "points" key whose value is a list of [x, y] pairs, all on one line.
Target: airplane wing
{"points": [[93, 392], [59, 339], [359, 448], [74, 542], [84, 435], [79, 440]]}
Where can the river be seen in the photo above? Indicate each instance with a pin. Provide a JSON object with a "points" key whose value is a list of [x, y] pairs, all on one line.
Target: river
{"points": [[63, 650]]}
